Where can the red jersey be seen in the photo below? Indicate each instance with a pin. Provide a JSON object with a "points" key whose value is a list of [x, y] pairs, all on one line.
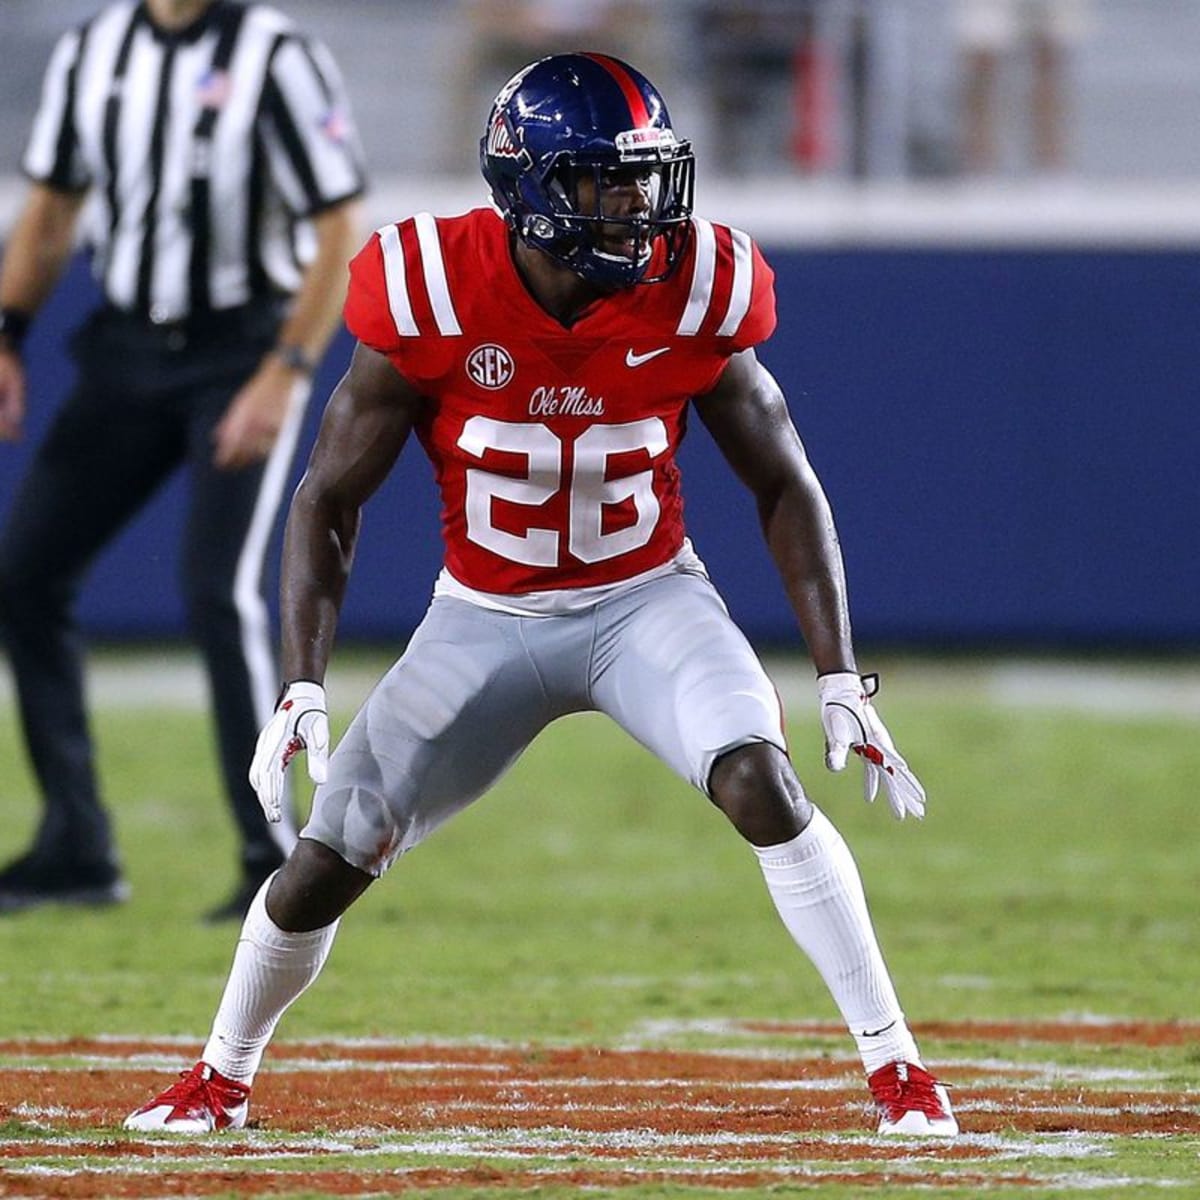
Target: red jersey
{"points": [[553, 447]]}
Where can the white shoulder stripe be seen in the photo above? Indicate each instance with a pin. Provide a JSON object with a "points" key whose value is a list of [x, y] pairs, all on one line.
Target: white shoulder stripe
{"points": [[743, 278], [703, 277], [397, 282], [435, 275]]}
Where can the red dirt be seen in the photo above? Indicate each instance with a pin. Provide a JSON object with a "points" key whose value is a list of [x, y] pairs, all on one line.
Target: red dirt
{"points": [[393, 1183], [617, 1101], [302, 1101]]}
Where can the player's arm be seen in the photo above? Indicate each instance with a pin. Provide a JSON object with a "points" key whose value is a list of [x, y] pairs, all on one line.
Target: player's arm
{"points": [[366, 423], [748, 418]]}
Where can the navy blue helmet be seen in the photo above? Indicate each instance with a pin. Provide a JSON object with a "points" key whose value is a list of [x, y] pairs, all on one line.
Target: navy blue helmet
{"points": [[573, 117]]}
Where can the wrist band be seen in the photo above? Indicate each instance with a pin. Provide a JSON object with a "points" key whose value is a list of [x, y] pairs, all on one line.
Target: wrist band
{"points": [[294, 358], [14, 325]]}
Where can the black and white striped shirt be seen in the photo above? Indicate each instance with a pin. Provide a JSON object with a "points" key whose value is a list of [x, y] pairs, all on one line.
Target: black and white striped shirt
{"points": [[204, 150]]}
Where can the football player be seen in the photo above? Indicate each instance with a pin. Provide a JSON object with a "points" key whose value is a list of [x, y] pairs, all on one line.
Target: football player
{"points": [[546, 354]]}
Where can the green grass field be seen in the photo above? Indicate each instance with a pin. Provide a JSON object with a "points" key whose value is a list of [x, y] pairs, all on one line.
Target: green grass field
{"points": [[594, 899]]}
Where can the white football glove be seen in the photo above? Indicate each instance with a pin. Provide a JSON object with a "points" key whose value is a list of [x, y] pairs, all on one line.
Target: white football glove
{"points": [[301, 722], [851, 723]]}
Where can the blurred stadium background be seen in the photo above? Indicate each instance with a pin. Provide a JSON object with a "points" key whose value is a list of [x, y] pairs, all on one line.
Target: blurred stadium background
{"points": [[996, 371], [995, 368]]}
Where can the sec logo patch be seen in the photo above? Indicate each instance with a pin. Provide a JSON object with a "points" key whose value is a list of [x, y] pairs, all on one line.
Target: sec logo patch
{"points": [[490, 366]]}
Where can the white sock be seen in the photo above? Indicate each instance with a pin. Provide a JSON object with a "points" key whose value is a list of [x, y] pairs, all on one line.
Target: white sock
{"points": [[271, 967], [815, 885]]}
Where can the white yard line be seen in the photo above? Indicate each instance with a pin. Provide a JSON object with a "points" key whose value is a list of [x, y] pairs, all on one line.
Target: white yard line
{"points": [[1035, 1076]]}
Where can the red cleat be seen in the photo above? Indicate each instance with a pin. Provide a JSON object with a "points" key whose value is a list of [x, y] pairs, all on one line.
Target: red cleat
{"points": [[201, 1102], [911, 1102]]}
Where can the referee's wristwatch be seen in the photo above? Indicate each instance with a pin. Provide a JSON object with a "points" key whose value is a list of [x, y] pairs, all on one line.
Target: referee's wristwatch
{"points": [[14, 324], [294, 358]]}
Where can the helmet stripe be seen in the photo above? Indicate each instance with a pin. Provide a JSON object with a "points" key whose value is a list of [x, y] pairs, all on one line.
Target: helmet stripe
{"points": [[629, 88]]}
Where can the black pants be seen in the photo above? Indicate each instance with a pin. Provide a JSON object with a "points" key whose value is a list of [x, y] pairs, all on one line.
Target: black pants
{"points": [[145, 405]]}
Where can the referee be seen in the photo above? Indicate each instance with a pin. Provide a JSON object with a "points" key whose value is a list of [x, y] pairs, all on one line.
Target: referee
{"points": [[214, 145]]}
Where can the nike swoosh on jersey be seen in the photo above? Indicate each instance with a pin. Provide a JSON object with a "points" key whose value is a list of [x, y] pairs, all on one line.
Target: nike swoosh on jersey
{"points": [[636, 360]]}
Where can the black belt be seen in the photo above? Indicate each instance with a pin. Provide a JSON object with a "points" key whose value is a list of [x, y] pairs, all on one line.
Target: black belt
{"points": [[259, 318]]}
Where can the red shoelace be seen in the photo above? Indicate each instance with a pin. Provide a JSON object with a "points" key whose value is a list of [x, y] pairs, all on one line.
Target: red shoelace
{"points": [[202, 1088], [901, 1087]]}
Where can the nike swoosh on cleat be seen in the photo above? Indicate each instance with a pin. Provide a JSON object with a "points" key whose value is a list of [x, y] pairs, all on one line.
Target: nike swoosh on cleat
{"points": [[636, 360]]}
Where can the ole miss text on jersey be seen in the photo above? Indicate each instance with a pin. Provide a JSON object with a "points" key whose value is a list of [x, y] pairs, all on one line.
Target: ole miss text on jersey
{"points": [[554, 447]]}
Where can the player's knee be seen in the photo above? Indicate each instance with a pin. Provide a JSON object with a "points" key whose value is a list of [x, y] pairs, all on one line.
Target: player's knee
{"points": [[757, 789], [313, 888]]}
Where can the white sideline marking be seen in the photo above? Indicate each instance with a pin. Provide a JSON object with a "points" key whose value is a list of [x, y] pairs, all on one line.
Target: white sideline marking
{"points": [[1101, 690], [173, 678]]}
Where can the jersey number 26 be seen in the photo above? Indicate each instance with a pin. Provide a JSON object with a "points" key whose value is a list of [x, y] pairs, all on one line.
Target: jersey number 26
{"points": [[589, 490]]}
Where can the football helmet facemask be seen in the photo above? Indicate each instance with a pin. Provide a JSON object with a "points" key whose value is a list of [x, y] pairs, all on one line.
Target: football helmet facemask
{"points": [[583, 164]]}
